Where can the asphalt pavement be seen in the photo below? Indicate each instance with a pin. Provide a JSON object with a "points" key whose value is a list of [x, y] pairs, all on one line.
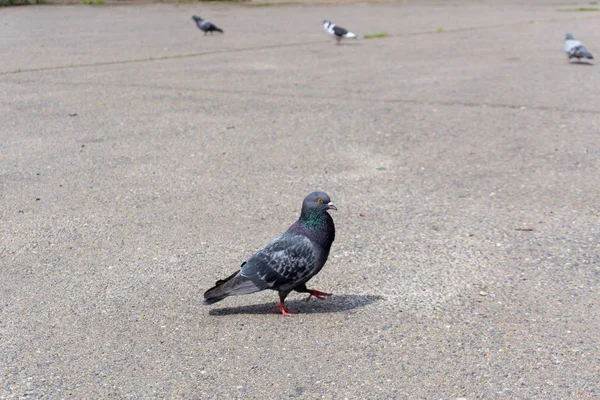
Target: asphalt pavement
{"points": [[140, 161]]}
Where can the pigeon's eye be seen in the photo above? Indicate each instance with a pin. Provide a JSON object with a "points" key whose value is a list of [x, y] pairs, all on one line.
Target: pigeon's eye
{"points": [[320, 200]]}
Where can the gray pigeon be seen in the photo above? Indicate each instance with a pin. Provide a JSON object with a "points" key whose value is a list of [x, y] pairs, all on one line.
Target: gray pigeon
{"points": [[289, 261], [337, 32], [574, 49], [205, 25]]}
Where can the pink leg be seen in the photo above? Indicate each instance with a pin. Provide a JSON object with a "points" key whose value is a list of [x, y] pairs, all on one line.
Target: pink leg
{"points": [[318, 294], [281, 307]]}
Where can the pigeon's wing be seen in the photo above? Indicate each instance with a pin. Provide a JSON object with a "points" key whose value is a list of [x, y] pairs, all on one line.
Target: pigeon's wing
{"points": [[288, 259], [210, 27], [571, 47], [339, 31]]}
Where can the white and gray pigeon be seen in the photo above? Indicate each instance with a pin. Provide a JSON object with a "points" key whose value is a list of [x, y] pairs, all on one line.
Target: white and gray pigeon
{"points": [[206, 26], [574, 49], [337, 32], [289, 261]]}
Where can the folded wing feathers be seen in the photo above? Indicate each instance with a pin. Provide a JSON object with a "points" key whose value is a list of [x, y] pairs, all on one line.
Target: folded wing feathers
{"points": [[283, 263], [574, 48], [339, 32]]}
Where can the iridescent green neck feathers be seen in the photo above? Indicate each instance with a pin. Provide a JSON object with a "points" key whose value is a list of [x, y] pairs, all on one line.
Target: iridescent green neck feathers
{"points": [[312, 220]]}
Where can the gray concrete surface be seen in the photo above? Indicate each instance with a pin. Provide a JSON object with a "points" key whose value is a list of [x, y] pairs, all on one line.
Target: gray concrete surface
{"points": [[130, 183]]}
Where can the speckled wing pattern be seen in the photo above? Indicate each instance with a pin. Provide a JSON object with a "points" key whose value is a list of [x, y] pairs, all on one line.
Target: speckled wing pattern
{"points": [[286, 261]]}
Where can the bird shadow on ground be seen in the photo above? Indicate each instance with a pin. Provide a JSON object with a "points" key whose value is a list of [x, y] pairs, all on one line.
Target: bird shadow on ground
{"points": [[333, 304], [344, 44], [588, 64]]}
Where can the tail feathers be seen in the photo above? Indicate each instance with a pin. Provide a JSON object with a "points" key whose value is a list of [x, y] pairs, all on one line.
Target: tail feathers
{"points": [[219, 30], [212, 296], [351, 35], [582, 52], [234, 285]]}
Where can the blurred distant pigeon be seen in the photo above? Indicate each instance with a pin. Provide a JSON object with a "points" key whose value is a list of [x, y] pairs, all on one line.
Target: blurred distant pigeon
{"points": [[574, 49], [205, 25], [289, 261], [337, 32]]}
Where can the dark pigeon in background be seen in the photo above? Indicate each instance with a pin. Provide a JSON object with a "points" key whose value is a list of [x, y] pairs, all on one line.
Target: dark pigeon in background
{"points": [[574, 49], [205, 25], [337, 32], [289, 261]]}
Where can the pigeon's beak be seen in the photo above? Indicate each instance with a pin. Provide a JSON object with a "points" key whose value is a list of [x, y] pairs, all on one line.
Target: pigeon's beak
{"points": [[331, 206]]}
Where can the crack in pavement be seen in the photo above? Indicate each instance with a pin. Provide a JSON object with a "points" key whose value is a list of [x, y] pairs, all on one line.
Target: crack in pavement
{"points": [[348, 96], [162, 58]]}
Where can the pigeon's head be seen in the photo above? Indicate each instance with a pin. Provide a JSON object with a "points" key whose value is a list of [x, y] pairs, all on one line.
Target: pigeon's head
{"points": [[196, 18], [318, 201], [569, 37], [326, 23]]}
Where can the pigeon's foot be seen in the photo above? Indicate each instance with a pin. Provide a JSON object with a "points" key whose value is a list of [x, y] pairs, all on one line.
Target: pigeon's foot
{"points": [[318, 294], [281, 307]]}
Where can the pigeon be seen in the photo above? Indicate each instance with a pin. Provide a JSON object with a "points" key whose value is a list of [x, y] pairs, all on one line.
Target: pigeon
{"points": [[289, 261], [574, 48], [205, 25], [337, 31]]}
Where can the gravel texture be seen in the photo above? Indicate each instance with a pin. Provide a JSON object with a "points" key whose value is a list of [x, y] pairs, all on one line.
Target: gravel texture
{"points": [[140, 161]]}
